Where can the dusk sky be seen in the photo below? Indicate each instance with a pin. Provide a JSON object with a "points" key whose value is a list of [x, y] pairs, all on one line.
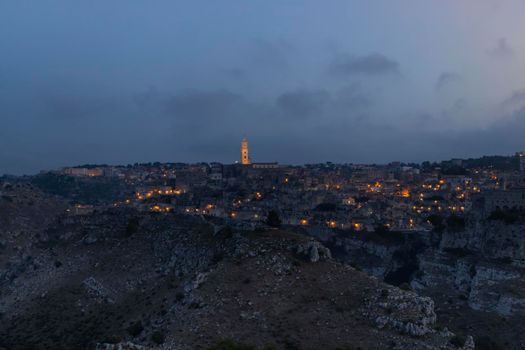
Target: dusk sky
{"points": [[365, 81]]}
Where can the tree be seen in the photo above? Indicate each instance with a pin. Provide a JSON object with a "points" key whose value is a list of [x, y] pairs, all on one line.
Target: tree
{"points": [[132, 227], [326, 207], [273, 219], [456, 223]]}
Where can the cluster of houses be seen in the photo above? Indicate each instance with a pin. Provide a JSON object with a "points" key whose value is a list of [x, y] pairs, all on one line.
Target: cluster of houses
{"points": [[334, 196]]}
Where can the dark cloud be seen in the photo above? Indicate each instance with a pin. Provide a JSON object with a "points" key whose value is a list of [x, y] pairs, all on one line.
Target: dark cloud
{"points": [[203, 107], [460, 104], [515, 102], [67, 107], [447, 78], [502, 50], [517, 97], [303, 103], [502, 137], [455, 110], [371, 65], [147, 99], [352, 98], [271, 54], [235, 73]]}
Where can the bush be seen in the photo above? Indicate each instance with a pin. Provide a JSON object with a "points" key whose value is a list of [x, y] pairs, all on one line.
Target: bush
{"points": [[405, 286], [135, 329], [454, 170], [436, 221], [158, 337], [132, 227], [456, 223], [226, 232], [326, 207], [179, 296], [486, 343], [7, 198], [112, 339], [459, 252], [217, 258], [383, 232], [507, 216], [381, 229], [458, 340], [273, 219]]}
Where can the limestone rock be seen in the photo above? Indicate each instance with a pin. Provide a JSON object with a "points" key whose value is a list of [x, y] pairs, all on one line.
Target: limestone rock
{"points": [[120, 346], [314, 251]]}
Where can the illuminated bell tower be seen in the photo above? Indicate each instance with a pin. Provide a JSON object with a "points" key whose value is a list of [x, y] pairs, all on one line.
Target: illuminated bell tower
{"points": [[245, 159]]}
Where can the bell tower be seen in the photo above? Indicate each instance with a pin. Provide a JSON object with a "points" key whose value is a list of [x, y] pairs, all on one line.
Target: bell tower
{"points": [[245, 159]]}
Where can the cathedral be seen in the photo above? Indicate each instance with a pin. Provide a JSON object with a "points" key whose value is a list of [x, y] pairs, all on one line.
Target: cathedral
{"points": [[245, 158]]}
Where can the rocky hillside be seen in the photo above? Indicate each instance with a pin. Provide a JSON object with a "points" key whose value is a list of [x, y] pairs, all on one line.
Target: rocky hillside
{"points": [[119, 279], [474, 274]]}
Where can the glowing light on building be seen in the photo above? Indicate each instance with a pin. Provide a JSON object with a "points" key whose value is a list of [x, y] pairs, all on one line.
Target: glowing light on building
{"points": [[245, 158], [332, 224]]}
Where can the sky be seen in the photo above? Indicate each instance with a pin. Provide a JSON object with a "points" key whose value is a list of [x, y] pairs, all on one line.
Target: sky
{"points": [[355, 81]]}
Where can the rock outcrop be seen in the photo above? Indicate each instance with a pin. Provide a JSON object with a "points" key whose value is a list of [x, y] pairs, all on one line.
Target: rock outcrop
{"points": [[120, 346], [313, 251]]}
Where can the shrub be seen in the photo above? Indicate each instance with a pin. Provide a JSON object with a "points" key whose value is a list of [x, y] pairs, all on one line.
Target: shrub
{"points": [[158, 337], [226, 232], [486, 343], [135, 329], [112, 339], [273, 219], [460, 253], [507, 216], [326, 207], [405, 286], [458, 340], [132, 227], [436, 221], [456, 223], [217, 257]]}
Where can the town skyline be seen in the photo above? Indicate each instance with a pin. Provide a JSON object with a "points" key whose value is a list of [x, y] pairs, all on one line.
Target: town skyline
{"points": [[341, 82], [246, 159]]}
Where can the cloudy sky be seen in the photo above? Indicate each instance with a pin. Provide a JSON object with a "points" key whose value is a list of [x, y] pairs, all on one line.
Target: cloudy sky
{"points": [[124, 81]]}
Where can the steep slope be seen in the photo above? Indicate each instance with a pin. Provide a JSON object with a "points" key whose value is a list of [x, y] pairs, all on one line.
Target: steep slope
{"points": [[169, 282]]}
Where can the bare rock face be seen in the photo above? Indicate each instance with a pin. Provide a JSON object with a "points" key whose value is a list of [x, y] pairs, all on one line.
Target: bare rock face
{"points": [[199, 279], [403, 311], [499, 290], [490, 239], [491, 287], [314, 251], [120, 346], [97, 291]]}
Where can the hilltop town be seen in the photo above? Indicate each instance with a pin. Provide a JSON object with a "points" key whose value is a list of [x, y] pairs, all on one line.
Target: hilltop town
{"points": [[398, 197], [429, 255]]}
